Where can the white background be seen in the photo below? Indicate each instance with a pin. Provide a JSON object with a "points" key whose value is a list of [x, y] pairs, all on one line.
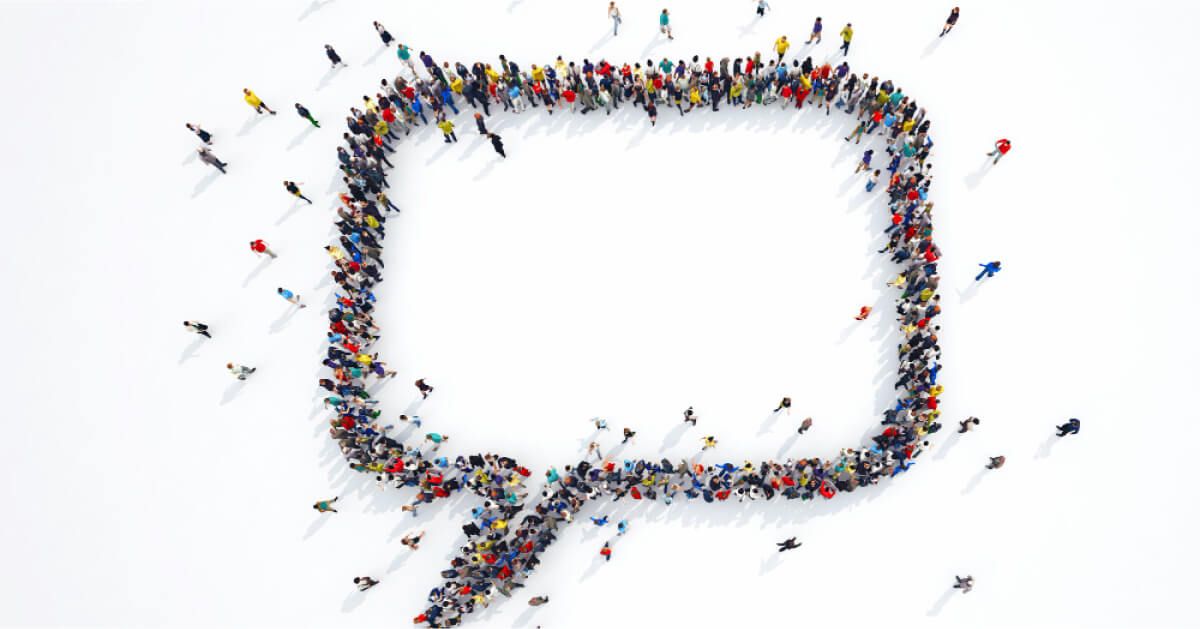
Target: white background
{"points": [[604, 269]]}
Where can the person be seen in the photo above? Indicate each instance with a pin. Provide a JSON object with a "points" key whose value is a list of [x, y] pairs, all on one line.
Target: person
{"points": [[950, 21], [497, 144], [865, 162], [1002, 148], [664, 24], [198, 328], [437, 439], [709, 442], [606, 551], [290, 296], [383, 34], [307, 115], [989, 269], [1069, 428], [326, 506], [423, 387], [863, 313], [964, 583], [259, 248], [538, 600], [615, 15], [415, 419], [404, 53], [601, 424], [254, 101], [629, 434], [805, 425], [967, 424], [207, 157], [995, 462], [204, 136], [689, 416], [365, 583], [788, 544], [781, 46], [480, 124], [240, 371], [622, 527], [334, 58], [847, 34], [816, 32], [294, 188], [762, 8], [412, 540], [447, 128], [873, 180], [600, 520], [784, 405]]}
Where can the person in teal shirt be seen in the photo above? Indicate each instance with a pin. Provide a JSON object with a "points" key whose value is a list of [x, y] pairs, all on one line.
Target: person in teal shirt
{"points": [[326, 505], [664, 24]]}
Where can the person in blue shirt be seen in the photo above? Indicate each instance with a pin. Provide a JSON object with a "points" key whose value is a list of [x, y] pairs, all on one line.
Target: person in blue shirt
{"points": [[622, 526], [989, 269], [290, 296], [599, 521]]}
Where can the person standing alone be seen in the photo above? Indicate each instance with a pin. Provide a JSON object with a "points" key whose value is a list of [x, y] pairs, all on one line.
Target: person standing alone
{"points": [[664, 24], [950, 21], [615, 15]]}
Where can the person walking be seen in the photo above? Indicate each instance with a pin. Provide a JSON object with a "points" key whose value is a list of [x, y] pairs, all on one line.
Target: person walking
{"points": [[950, 21], [762, 8], [600, 520], [204, 136], [198, 328], [365, 583], [412, 540], [689, 416], [383, 34], [294, 188], [259, 248], [481, 125], [334, 58], [865, 162], [307, 115], [967, 424], [664, 24], [964, 583], [1003, 146], [788, 544], [404, 54], [254, 101], [816, 32], [1069, 428], [629, 434], [497, 144], [863, 313], [538, 601], [447, 128], [784, 405], [423, 387], [805, 425], [326, 506], [437, 439], [207, 157], [600, 424], [622, 527], [290, 296], [995, 462], [240, 371], [781, 46], [847, 34], [709, 442], [614, 14], [989, 269], [606, 551]]}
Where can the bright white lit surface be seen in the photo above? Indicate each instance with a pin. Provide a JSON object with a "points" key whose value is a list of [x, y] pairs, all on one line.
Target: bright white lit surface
{"points": [[604, 269]]}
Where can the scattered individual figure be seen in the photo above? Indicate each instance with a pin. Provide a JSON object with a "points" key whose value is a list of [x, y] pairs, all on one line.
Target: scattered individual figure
{"points": [[437, 439], [240, 371], [805, 425], [614, 14], [600, 521], [307, 115], [198, 328], [415, 420], [606, 551], [326, 506], [781, 46], [995, 462], [847, 34], [964, 583], [365, 583], [259, 248], [788, 544], [294, 188], [204, 136], [538, 601], [423, 387], [1069, 428], [629, 434], [950, 21], [622, 527], [383, 34], [290, 296], [664, 24], [784, 405], [989, 269], [334, 58], [689, 416], [207, 157], [863, 313], [967, 424], [762, 8], [412, 540], [447, 128], [709, 442], [601, 424], [481, 125], [1003, 146], [816, 32], [254, 101], [497, 145]]}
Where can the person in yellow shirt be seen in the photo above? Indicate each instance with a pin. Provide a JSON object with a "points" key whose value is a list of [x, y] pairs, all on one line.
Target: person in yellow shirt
{"points": [[254, 101], [447, 128], [782, 45], [693, 98], [847, 33]]}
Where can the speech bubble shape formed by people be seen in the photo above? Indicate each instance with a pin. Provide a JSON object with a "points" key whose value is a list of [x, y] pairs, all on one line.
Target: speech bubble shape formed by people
{"points": [[510, 529]]}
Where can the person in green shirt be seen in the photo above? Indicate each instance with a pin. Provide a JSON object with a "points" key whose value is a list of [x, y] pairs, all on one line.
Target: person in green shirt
{"points": [[405, 55], [664, 24]]}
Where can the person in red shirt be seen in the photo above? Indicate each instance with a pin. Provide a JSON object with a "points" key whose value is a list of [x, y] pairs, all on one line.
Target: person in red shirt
{"points": [[606, 552], [863, 313], [1002, 148], [259, 247]]}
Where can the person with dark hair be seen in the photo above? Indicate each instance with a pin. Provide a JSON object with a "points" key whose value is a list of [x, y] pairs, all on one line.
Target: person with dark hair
{"points": [[423, 387], [198, 328], [294, 188], [240, 371], [950, 21], [1003, 146], [334, 58], [989, 269], [205, 136], [805, 425], [1069, 428], [967, 424], [365, 583], [207, 157], [539, 600], [788, 544], [847, 34], [664, 24], [816, 32], [995, 462], [383, 34], [629, 434], [689, 416], [497, 144], [326, 506], [784, 405], [254, 101], [259, 248], [964, 583], [307, 115]]}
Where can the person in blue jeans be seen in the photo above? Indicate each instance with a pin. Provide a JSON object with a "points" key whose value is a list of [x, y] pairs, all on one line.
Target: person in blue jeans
{"points": [[989, 269], [615, 14]]}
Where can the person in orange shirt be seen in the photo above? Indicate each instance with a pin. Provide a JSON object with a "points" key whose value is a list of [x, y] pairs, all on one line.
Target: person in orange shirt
{"points": [[863, 313]]}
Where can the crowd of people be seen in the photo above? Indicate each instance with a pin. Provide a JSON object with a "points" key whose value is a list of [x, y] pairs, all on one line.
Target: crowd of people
{"points": [[515, 524]]}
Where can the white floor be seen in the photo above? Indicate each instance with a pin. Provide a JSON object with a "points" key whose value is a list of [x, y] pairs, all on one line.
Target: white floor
{"points": [[609, 269]]}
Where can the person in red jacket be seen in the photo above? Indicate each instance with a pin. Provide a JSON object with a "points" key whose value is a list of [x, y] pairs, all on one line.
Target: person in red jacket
{"points": [[606, 552], [259, 247], [1002, 148], [863, 313]]}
